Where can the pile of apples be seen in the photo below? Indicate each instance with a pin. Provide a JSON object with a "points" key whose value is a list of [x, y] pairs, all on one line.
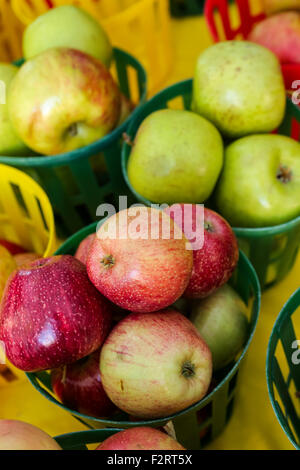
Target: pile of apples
{"points": [[63, 97], [224, 151], [136, 322]]}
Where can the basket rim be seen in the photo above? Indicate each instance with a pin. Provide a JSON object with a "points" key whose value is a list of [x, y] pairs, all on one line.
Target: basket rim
{"points": [[273, 341], [85, 437], [243, 232], [93, 148], [69, 244]]}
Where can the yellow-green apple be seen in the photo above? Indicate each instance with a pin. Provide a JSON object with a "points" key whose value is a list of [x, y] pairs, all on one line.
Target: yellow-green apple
{"points": [[239, 86], [25, 258], [17, 435], [216, 260], [222, 321], [260, 182], [155, 364], [177, 156], [10, 142], [84, 247], [140, 260], [13, 248], [142, 438], [63, 99], [51, 314], [281, 34], [274, 6], [79, 387], [7, 266], [67, 26]]}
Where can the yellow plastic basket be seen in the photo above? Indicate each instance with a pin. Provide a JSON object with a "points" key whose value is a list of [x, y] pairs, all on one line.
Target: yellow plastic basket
{"points": [[139, 26], [10, 33], [26, 215]]}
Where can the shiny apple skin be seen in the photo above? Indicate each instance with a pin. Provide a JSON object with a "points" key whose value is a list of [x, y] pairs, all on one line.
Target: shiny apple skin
{"points": [[79, 387], [51, 315], [216, 261], [146, 275], [84, 247], [142, 438]]}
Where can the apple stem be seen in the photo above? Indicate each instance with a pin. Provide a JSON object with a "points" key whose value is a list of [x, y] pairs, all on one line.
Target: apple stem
{"points": [[73, 130], [127, 139], [108, 261], [208, 227], [188, 370], [284, 174]]}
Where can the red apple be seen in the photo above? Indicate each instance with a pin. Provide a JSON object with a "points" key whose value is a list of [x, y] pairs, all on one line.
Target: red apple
{"points": [[25, 258], [140, 260], [16, 435], [143, 438], [155, 364], [52, 315], [12, 247], [216, 261], [281, 34], [84, 247], [79, 387]]}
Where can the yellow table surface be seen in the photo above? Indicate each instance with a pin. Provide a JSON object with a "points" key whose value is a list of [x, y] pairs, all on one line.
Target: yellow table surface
{"points": [[253, 424]]}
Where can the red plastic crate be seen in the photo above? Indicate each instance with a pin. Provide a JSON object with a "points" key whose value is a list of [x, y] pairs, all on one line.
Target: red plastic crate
{"points": [[291, 72]]}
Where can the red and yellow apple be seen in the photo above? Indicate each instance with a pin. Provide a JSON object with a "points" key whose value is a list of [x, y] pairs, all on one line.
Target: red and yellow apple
{"points": [[155, 364], [143, 438], [17, 435], [62, 100]]}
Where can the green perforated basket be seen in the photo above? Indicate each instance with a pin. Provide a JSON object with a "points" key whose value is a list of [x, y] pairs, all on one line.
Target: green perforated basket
{"points": [[202, 422], [81, 440], [78, 182], [271, 250], [283, 369]]}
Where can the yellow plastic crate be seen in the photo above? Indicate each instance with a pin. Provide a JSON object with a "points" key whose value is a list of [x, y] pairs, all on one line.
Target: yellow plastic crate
{"points": [[141, 27]]}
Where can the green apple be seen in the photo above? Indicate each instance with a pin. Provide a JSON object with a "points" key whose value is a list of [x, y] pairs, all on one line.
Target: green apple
{"points": [[10, 143], [239, 87], [67, 26], [221, 320], [260, 182], [62, 100], [177, 156]]}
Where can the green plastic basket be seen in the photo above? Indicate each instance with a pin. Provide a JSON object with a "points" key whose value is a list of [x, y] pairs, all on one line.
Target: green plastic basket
{"points": [[81, 440], [283, 368], [216, 408], [79, 181], [271, 250], [181, 8]]}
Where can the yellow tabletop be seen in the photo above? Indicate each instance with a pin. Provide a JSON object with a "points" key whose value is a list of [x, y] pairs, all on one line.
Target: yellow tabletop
{"points": [[253, 424]]}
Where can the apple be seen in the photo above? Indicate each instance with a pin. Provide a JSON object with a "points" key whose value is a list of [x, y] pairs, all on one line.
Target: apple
{"points": [[222, 321], [25, 258], [10, 143], [51, 315], [79, 387], [138, 266], [16, 435], [155, 364], [260, 185], [142, 438], [83, 249], [177, 156], [67, 26], [216, 260], [281, 34], [239, 87], [273, 6], [62, 100], [7, 266], [12, 247]]}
